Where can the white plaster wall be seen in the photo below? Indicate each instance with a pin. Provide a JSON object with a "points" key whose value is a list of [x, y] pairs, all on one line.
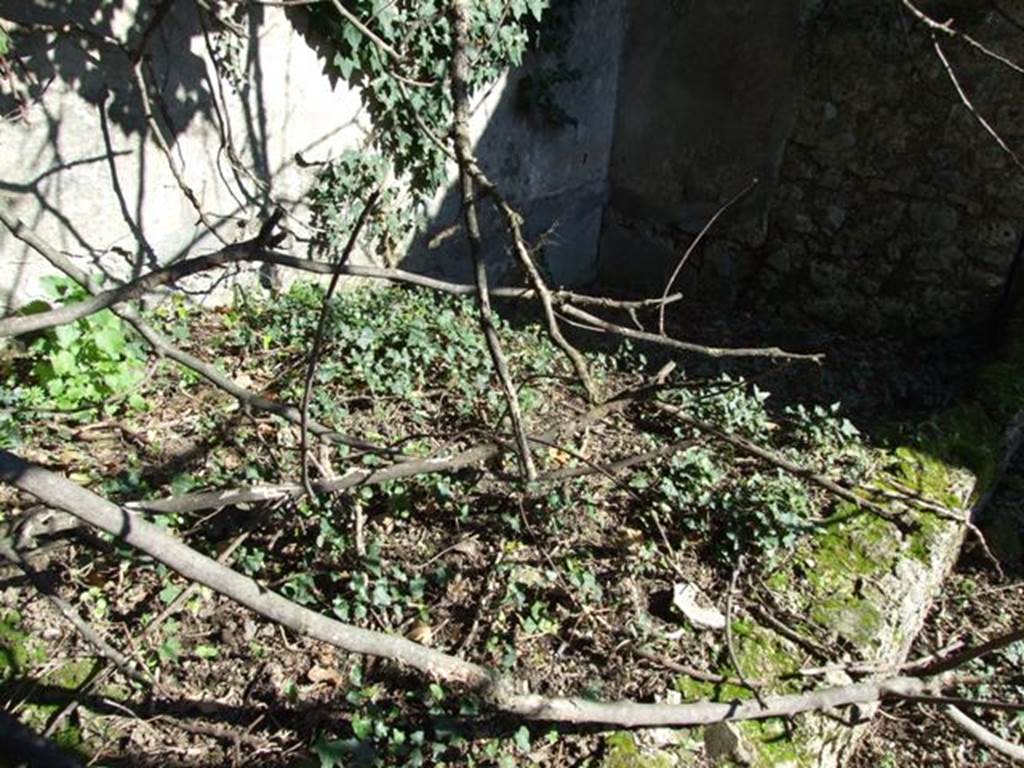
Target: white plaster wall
{"points": [[81, 168]]}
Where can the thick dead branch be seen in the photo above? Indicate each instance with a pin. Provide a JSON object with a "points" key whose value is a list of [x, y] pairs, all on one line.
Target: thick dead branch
{"points": [[247, 252], [152, 540], [984, 736], [961, 657], [463, 153], [29, 747], [138, 288], [162, 346], [499, 692]]}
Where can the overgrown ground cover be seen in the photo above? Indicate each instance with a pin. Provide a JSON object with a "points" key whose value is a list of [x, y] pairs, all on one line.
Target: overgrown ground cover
{"points": [[568, 583]]}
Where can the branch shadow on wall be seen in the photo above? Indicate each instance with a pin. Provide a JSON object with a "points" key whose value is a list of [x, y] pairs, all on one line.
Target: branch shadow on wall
{"points": [[92, 49]]}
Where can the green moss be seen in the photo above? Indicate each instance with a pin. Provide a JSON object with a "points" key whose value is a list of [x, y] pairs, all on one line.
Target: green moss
{"points": [[17, 651], [762, 654], [72, 674], [692, 689], [925, 473], [775, 746], [921, 545], [622, 751]]}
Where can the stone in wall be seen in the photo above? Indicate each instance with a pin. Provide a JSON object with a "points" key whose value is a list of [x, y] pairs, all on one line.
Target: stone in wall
{"points": [[895, 211]]}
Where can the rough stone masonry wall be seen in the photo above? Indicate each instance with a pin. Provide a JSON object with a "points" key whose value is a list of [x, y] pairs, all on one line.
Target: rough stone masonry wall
{"points": [[895, 211]]}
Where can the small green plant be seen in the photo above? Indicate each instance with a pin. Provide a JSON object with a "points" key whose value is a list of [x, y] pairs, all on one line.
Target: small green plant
{"points": [[763, 513], [821, 426], [86, 364], [337, 199]]}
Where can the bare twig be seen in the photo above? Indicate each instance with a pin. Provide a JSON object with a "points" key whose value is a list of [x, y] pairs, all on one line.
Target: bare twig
{"points": [[463, 151], [946, 28], [597, 324], [791, 467], [693, 245], [165, 348], [970, 105], [318, 337], [958, 659], [514, 221], [733, 658], [105, 649]]}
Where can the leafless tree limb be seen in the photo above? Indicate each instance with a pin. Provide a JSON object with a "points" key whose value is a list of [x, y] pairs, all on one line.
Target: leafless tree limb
{"points": [[961, 657], [797, 470], [984, 736], [498, 691], [951, 73], [514, 222], [103, 648], [162, 346], [597, 324], [693, 245], [946, 28], [463, 152], [318, 337]]}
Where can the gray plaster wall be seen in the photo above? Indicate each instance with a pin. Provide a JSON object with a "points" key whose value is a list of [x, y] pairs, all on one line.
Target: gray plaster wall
{"points": [[80, 164], [706, 103]]}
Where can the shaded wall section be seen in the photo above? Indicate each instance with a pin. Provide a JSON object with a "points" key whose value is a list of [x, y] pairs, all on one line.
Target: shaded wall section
{"points": [[706, 102], [896, 211]]}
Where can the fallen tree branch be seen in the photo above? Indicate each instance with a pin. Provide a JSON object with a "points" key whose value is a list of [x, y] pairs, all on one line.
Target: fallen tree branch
{"points": [[961, 657], [498, 691], [965, 99], [797, 470], [463, 153], [151, 539], [947, 28], [318, 338], [599, 325], [246, 252], [249, 250], [984, 736], [514, 222], [358, 476]]}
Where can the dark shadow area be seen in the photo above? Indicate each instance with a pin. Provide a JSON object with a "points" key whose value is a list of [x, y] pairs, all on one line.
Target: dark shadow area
{"points": [[93, 54]]}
